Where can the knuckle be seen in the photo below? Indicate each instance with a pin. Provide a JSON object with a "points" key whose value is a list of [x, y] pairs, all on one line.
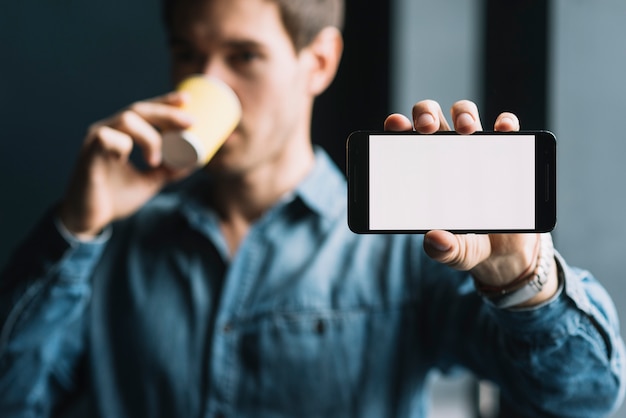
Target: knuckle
{"points": [[97, 131], [101, 137], [425, 106], [135, 107], [127, 117], [465, 103], [92, 129], [464, 106]]}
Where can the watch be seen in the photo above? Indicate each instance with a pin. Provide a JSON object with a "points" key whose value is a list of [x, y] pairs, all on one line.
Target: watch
{"points": [[527, 286]]}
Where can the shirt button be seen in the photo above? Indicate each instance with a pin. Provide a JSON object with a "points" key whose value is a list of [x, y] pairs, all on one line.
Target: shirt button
{"points": [[320, 328], [227, 328]]}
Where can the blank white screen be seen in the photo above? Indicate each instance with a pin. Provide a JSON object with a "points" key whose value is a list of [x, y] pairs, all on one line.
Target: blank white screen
{"points": [[423, 182]]}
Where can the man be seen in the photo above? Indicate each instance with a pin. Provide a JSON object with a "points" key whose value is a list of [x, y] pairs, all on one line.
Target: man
{"points": [[238, 290]]}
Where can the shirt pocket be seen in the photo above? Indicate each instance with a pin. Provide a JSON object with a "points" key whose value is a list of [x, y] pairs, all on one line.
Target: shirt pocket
{"points": [[320, 364]]}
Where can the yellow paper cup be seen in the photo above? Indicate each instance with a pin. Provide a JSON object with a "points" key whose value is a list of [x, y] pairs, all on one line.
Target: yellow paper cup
{"points": [[216, 111]]}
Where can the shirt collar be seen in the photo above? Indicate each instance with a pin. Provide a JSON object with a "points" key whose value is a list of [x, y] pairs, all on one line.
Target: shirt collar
{"points": [[323, 190]]}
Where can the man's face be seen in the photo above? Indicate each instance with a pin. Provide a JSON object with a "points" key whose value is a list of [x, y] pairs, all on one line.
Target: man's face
{"points": [[244, 43]]}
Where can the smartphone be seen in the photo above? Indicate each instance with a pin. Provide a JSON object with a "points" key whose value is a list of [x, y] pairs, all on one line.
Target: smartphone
{"points": [[487, 182]]}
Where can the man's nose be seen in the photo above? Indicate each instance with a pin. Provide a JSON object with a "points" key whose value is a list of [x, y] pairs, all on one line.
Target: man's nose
{"points": [[215, 67]]}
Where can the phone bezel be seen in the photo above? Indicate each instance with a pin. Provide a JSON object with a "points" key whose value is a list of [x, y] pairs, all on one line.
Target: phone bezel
{"points": [[357, 172]]}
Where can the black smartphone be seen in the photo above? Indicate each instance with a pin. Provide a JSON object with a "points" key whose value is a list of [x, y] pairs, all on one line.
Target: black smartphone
{"points": [[487, 182]]}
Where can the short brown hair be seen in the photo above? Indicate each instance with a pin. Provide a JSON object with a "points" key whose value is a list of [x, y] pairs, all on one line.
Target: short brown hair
{"points": [[303, 19]]}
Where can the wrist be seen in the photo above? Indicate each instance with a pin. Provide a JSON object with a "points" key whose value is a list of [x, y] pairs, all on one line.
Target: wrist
{"points": [[73, 224], [76, 239], [536, 284], [549, 290], [68, 226]]}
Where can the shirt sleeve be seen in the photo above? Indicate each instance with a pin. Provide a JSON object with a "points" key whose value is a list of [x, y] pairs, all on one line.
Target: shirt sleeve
{"points": [[565, 358], [44, 292]]}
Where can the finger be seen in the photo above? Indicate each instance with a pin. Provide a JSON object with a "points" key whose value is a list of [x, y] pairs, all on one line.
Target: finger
{"points": [[164, 115], [174, 98], [461, 252], [429, 118], [465, 117], [104, 139], [507, 122], [143, 133], [398, 123]]}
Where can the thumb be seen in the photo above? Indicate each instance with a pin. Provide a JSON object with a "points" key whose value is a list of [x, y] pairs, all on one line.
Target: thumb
{"points": [[461, 252]]}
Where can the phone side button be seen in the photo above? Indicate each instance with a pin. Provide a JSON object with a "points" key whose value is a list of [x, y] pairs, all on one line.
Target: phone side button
{"points": [[547, 180], [354, 188]]}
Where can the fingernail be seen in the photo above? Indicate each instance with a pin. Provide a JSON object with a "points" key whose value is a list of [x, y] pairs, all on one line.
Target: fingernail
{"points": [[464, 120], [424, 120], [436, 245]]}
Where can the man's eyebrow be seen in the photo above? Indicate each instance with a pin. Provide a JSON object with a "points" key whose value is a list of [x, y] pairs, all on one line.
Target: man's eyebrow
{"points": [[242, 44], [231, 43]]}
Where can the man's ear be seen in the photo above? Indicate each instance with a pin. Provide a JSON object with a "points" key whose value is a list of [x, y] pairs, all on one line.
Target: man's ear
{"points": [[326, 50]]}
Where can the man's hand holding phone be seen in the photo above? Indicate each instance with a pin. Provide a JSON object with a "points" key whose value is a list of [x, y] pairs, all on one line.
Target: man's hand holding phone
{"points": [[495, 260]]}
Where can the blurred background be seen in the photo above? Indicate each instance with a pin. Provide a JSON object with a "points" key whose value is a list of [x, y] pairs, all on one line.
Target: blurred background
{"points": [[558, 64]]}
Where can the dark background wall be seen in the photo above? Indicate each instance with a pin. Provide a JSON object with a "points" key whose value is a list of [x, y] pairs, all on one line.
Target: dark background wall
{"points": [[516, 60], [63, 65]]}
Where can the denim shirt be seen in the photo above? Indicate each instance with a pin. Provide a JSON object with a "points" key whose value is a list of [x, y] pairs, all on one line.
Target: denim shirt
{"points": [[306, 320]]}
